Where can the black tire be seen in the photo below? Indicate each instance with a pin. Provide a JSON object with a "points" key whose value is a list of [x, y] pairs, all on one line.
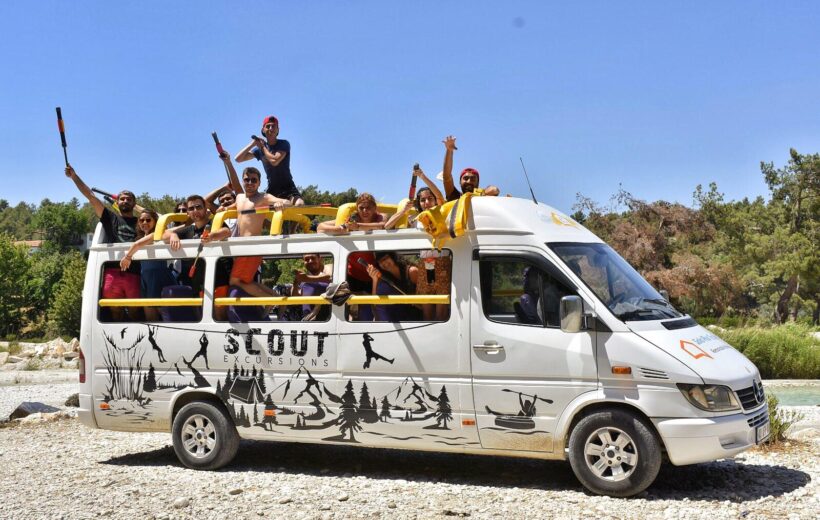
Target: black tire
{"points": [[614, 453], [204, 436]]}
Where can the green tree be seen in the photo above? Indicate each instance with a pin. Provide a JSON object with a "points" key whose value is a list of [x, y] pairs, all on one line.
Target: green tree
{"points": [[795, 192], [16, 221], [66, 310], [313, 196], [14, 281], [61, 224]]}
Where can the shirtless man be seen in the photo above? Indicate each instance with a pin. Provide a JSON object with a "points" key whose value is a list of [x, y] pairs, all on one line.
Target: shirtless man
{"points": [[248, 224]]}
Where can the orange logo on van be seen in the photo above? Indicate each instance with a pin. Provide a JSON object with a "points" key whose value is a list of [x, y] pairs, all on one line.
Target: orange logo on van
{"points": [[693, 350]]}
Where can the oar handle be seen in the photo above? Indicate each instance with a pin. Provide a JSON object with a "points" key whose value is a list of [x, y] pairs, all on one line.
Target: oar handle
{"points": [[61, 128]]}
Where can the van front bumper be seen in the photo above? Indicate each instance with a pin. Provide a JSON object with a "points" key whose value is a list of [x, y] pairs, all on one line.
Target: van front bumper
{"points": [[694, 440]]}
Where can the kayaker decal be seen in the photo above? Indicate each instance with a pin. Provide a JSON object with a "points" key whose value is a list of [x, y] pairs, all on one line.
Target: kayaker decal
{"points": [[523, 419]]}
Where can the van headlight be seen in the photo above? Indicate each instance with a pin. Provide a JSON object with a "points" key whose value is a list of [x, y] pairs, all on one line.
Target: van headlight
{"points": [[712, 398]]}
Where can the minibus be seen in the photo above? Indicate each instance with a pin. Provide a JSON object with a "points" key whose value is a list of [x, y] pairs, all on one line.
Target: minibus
{"points": [[545, 344]]}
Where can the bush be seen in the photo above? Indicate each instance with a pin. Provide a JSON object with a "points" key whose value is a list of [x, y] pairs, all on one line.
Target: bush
{"points": [[783, 352], [780, 420]]}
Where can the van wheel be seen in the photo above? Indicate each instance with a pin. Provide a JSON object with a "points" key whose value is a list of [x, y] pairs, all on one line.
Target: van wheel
{"points": [[204, 436], [614, 453]]}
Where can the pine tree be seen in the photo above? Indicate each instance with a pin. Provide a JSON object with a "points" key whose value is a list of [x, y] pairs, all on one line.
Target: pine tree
{"points": [[253, 374], [219, 388], [261, 379], [150, 383], [385, 409], [348, 414], [235, 371], [226, 389], [444, 412], [255, 415]]}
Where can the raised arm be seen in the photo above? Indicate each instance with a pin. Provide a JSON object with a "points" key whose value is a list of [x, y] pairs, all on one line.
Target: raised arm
{"points": [[432, 185], [85, 190], [234, 184], [447, 169], [211, 197]]}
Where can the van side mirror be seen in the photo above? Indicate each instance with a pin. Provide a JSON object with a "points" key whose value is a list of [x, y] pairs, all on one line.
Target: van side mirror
{"points": [[571, 311], [664, 294]]}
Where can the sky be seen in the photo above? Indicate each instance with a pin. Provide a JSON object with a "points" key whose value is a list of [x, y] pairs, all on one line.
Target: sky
{"points": [[653, 97]]}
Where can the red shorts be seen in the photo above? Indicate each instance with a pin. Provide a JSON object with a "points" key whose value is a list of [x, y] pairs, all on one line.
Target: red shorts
{"points": [[245, 268], [120, 284]]}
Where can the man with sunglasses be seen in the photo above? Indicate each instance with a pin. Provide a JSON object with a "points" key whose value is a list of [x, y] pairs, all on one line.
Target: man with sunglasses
{"points": [[468, 178], [275, 156], [200, 217]]}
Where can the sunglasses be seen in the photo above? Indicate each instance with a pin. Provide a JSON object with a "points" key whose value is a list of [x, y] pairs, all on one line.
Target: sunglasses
{"points": [[194, 208], [182, 210], [250, 180], [146, 220]]}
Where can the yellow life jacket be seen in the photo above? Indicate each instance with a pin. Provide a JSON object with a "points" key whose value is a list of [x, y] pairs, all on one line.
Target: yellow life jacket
{"points": [[448, 221]]}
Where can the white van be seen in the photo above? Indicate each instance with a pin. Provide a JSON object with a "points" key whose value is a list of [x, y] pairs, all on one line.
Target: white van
{"points": [[553, 347]]}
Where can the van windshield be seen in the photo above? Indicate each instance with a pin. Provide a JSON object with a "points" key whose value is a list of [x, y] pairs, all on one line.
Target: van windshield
{"points": [[615, 282]]}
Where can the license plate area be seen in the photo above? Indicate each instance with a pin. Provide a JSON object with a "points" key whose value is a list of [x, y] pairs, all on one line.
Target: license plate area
{"points": [[762, 432]]}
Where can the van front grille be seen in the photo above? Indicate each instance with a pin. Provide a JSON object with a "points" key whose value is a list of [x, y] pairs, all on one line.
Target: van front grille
{"points": [[752, 397]]}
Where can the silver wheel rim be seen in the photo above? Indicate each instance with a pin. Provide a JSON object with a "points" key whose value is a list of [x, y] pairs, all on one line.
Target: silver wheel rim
{"points": [[610, 454], [198, 436]]}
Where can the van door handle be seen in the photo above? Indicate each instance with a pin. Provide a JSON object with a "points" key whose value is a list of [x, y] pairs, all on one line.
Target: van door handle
{"points": [[489, 348]]}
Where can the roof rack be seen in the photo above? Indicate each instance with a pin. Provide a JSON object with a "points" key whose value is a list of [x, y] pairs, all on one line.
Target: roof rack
{"points": [[299, 214]]}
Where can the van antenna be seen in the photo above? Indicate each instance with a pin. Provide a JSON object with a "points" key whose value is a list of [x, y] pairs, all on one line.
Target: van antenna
{"points": [[528, 180]]}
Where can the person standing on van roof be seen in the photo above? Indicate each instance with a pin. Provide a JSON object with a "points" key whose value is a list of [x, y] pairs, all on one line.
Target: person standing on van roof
{"points": [[469, 176], [249, 223], [275, 156], [118, 228]]}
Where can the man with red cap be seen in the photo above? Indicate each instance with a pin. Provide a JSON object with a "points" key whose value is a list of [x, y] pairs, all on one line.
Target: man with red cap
{"points": [[275, 156], [468, 178]]}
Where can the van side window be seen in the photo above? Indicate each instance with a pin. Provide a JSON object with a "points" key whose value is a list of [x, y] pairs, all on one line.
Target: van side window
{"points": [[306, 274], [518, 292], [148, 280], [395, 273]]}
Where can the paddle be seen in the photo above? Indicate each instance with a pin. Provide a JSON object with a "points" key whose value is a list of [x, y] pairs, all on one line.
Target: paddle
{"points": [[412, 194], [548, 401], [384, 277], [205, 234], [61, 127], [222, 154]]}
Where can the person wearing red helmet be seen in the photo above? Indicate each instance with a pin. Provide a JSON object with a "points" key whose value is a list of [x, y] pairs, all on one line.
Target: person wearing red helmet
{"points": [[274, 154], [469, 176]]}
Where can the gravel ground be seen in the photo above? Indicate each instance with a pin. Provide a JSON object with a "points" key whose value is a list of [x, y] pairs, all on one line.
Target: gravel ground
{"points": [[61, 469]]}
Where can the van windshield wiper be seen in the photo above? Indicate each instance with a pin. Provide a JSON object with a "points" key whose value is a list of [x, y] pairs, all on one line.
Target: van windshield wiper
{"points": [[638, 313]]}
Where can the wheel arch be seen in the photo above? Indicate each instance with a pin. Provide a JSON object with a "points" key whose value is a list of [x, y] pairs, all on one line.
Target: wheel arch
{"points": [[592, 405], [198, 394]]}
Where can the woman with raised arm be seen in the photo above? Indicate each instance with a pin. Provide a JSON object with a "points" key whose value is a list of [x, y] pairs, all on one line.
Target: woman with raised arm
{"points": [[426, 198], [154, 274]]}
